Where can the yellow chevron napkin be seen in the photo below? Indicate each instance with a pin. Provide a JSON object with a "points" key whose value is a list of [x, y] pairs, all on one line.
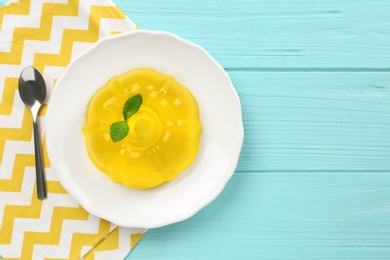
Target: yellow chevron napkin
{"points": [[48, 34]]}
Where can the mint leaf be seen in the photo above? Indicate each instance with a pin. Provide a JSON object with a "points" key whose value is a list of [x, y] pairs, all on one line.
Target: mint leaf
{"points": [[131, 106], [119, 130]]}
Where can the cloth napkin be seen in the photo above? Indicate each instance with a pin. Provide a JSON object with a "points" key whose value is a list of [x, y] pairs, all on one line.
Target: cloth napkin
{"points": [[48, 34]]}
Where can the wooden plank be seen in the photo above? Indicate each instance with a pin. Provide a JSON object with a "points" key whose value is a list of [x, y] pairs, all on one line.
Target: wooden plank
{"points": [[302, 121], [283, 216], [277, 34]]}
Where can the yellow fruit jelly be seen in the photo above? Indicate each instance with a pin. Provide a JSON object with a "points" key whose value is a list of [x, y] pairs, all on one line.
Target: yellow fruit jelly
{"points": [[164, 134]]}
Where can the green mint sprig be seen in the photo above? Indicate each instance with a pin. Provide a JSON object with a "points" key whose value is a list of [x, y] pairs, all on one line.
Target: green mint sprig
{"points": [[120, 129]]}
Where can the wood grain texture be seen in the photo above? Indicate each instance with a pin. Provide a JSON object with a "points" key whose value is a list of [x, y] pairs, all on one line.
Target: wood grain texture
{"points": [[314, 82], [261, 34], [283, 216], [314, 122]]}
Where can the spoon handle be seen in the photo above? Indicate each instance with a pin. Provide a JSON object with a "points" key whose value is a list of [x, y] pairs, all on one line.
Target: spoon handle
{"points": [[40, 169]]}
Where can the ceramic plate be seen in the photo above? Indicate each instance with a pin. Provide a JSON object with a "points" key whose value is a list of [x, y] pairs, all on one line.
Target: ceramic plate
{"points": [[220, 114]]}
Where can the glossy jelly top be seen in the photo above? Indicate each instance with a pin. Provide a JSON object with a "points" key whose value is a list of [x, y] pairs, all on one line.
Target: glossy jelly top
{"points": [[164, 135]]}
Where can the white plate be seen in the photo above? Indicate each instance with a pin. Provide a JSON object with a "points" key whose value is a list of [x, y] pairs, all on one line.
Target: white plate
{"points": [[220, 113]]}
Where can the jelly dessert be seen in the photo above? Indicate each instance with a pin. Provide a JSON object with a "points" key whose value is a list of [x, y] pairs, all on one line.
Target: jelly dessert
{"points": [[163, 135]]}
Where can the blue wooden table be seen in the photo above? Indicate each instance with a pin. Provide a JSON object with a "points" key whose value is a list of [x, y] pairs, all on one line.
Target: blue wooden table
{"points": [[313, 179]]}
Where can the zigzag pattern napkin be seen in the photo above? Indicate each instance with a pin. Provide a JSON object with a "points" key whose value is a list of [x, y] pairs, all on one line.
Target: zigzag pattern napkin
{"points": [[48, 34]]}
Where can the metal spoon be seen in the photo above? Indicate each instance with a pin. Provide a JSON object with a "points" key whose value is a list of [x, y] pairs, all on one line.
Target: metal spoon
{"points": [[32, 91]]}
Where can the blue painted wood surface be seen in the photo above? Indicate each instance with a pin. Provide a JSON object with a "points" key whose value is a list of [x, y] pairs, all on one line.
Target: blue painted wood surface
{"points": [[313, 179]]}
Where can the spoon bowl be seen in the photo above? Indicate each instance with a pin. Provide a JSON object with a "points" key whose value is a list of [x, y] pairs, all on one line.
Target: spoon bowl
{"points": [[32, 87], [32, 91]]}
